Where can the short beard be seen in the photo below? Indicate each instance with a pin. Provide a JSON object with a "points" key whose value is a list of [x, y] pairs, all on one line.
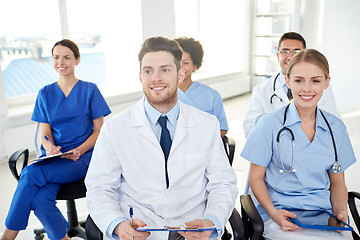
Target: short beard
{"points": [[166, 103]]}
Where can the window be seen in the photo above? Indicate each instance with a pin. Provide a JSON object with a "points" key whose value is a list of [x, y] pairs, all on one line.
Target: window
{"points": [[27, 30], [220, 27], [110, 35]]}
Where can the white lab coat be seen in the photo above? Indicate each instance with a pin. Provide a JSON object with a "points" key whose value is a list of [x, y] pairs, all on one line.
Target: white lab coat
{"points": [[128, 169], [260, 102]]}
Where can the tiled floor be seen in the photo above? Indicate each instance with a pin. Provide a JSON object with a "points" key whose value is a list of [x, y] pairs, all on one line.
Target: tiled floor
{"points": [[235, 110]]}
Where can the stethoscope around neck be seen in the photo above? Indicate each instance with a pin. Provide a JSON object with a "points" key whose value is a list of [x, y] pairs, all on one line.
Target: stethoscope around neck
{"points": [[336, 166], [274, 88]]}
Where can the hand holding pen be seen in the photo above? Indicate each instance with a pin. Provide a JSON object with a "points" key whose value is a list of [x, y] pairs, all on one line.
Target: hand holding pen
{"points": [[131, 212], [52, 149], [127, 229]]}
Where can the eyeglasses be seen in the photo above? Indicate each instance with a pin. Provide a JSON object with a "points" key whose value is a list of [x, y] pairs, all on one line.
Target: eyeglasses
{"points": [[287, 52]]}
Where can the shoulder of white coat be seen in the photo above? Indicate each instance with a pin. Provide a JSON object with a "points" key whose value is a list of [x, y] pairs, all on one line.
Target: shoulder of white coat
{"points": [[196, 113], [264, 86], [122, 116]]}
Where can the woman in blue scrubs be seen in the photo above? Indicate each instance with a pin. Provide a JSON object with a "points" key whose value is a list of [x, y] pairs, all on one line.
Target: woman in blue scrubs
{"points": [[197, 94], [71, 113], [306, 175]]}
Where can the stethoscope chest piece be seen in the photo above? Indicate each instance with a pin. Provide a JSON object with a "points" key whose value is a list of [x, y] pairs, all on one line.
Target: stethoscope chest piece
{"points": [[292, 170], [336, 167]]}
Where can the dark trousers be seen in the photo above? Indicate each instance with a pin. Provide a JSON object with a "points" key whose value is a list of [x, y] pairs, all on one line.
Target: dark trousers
{"points": [[175, 236]]}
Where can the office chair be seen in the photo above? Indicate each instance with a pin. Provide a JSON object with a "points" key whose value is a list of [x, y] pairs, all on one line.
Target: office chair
{"points": [[235, 219], [252, 221], [68, 192], [254, 225], [354, 212], [93, 232], [229, 145]]}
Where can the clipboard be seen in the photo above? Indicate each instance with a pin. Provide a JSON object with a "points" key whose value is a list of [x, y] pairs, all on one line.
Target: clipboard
{"points": [[316, 219], [51, 156], [178, 229]]}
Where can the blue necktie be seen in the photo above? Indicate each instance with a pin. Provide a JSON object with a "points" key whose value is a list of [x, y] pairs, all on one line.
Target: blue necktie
{"points": [[165, 142]]}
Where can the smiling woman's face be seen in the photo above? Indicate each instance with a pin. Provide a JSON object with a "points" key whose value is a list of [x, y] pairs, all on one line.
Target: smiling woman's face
{"points": [[307, 83]]}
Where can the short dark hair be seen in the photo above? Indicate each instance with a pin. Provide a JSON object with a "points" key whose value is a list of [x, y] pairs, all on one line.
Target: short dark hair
{"points": [[157, 44], [194, 48], [292, 35], [69, 44]]}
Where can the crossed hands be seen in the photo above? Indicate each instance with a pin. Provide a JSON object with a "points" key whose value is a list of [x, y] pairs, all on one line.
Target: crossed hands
{"points": [[126, 232]]}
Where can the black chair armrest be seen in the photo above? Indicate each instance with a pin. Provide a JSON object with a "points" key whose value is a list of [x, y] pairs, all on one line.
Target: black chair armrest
{"points": [[236, 225], [92, 231], [229, 145], [353, 209], [13, 162], [253, 223]]}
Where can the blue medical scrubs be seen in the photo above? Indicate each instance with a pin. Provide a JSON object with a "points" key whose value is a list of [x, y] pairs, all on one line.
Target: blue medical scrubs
{"points": [[71, 119], [206, 99], [307, 187]]}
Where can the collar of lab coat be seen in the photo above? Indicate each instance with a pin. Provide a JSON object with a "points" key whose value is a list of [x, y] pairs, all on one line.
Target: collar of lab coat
{"points": [[139, 118], [279, 89], [185, 122]]}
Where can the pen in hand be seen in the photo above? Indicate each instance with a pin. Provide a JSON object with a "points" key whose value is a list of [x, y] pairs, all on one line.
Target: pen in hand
{"points": [[131, 212], [48, 140]]}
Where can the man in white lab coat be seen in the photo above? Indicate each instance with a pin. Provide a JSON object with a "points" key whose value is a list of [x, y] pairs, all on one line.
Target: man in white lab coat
{"points": [[195, 186], [272, 93]]}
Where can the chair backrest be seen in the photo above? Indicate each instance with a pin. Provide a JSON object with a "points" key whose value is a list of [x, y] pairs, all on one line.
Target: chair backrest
{"points": [[354, 211], [252, 221], [20, 158], [229, 145], [92, 231], [17, 161], [37, 139]]}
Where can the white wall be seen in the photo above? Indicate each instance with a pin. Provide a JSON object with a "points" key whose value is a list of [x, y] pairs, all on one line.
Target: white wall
{"points": [[339, 41], [158, 18], [341, 45]]}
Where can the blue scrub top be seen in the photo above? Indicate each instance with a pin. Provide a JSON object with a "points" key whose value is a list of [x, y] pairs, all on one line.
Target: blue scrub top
{"points": [[206, 99], [307, 187], [71, 118]]}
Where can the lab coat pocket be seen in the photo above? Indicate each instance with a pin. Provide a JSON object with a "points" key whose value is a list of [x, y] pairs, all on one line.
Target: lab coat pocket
{"points": [[191, 170]]}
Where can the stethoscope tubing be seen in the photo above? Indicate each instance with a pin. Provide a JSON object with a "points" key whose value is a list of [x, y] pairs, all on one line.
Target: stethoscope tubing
{"points": [[274, 88], [336, 166]]}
